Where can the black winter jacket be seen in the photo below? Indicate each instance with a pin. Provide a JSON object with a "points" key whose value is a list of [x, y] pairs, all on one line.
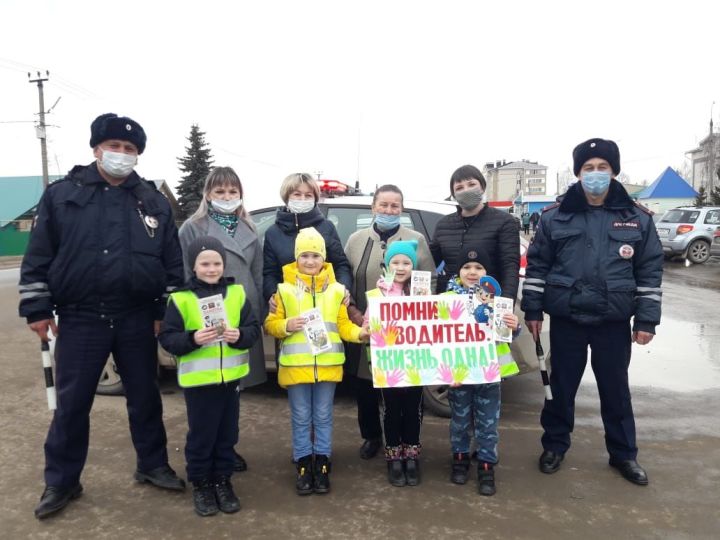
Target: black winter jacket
{"points": [[279, 247], [595, 264], [178, 341], [93, 253], [493, 230]]}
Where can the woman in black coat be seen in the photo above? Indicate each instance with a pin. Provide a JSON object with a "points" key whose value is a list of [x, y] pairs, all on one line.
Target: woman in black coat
{"points": [[477, 224], [300, 193]]}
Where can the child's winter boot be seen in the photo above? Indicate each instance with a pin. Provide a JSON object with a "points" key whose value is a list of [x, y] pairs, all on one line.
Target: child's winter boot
{"points": [[411, 454], [486, 479], [321, 482], [396, 473], [460, 468], [304, 481]]}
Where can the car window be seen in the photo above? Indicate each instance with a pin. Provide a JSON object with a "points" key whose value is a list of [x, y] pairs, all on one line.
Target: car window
{"points": [[347, 220], [263, 220], [712, 217], [680, 216]]}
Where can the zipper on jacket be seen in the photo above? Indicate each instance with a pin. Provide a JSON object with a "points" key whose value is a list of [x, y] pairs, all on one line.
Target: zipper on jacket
{"points": [[312, 292], [297, 224]]}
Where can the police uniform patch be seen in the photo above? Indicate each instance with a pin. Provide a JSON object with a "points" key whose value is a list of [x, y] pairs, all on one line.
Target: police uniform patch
{"points": [[626, 225], [626, 251]]}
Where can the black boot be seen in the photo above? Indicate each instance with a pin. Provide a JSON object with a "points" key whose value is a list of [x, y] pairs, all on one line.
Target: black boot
{"points": [[396, 472], [226, 499], [321, 481], [486, 479], [411, 454], [460, 468], [304, 481], [204, 498], [239, 463]]}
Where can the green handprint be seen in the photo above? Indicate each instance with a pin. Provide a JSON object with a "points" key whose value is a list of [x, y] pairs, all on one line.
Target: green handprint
{"points": [[375, 325], [443, 311], [460, 373], [413, 376]]}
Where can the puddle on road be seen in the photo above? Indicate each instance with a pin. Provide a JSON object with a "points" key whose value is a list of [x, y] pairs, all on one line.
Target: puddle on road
{"points": [[683, 357]]}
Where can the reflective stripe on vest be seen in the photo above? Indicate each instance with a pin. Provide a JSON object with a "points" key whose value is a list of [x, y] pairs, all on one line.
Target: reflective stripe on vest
{"points": [[295, 349], [213, 363]]}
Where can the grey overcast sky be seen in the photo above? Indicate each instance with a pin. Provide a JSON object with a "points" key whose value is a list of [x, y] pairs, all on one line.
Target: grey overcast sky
{"points": [[400, 91]]}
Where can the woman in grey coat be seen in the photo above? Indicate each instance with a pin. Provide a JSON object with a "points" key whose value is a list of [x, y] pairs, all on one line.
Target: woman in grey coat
{"points": [[222, 215], [365, 249]]}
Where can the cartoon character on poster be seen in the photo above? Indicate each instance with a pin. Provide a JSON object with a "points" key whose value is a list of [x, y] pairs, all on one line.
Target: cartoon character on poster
{"points": [[488, 288]]}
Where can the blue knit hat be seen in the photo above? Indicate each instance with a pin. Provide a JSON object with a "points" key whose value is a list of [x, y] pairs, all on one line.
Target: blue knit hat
{"points": [[402, 247]]}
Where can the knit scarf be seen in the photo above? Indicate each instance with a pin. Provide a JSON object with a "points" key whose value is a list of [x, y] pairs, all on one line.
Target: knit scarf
{"points": [[228, 222], [456, 286]]}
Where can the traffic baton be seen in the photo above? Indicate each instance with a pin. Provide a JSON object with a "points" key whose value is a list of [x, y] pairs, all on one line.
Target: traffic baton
{"points": [[543, 369], [47, 368]]}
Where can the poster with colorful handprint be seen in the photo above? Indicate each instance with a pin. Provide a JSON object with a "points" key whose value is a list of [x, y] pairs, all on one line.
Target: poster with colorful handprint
{"points": [[429, 340]]}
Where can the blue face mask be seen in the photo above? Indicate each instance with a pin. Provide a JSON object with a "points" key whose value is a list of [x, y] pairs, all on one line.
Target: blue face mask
{"points": [[596, 182], [387, 222]]}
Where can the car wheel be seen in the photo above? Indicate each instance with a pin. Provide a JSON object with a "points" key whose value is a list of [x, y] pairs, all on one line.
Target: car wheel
{"points": [[110, 383], [698, 252], [436, 400]]}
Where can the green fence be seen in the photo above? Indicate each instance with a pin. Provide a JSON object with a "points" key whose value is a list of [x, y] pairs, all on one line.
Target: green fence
{"points": [[13, 242]]}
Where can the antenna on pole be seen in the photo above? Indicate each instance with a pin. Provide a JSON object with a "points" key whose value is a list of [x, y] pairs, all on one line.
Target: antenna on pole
{"points": [[40, 129]]}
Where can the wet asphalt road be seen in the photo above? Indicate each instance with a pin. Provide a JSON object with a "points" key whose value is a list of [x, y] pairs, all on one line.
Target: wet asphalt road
{"points": [[676, 396]]}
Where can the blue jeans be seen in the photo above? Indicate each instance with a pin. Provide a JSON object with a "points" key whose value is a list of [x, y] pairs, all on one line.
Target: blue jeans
{"points": [[477, 404], [311, 410]]}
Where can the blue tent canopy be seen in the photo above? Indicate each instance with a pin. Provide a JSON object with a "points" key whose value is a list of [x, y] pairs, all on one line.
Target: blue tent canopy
{"points": [[669, 185]]}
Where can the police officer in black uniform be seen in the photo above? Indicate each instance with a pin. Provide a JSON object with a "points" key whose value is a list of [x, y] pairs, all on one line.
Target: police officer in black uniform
{"points": [[596, 262], [104, 254]]}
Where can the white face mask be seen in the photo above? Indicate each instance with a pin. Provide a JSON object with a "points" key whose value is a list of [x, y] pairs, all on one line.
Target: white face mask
{"points": [[226, 207], [117, 164], [300, 207]]}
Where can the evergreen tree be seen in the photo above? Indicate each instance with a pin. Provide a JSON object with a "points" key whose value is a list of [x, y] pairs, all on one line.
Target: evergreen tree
{"points": [[196, 165], [701, 197]]}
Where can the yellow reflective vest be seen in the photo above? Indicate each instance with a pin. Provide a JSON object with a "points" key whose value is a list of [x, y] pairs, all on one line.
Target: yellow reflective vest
{"points": [[216, 362], [295, 351]]}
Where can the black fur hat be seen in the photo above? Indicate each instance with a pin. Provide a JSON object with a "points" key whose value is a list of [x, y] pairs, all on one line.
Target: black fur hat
{"points": [[596, 148], [111, 126]]}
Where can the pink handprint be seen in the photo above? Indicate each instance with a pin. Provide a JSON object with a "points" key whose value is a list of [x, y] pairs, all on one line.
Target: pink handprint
{"points": [[492, 373], [395, 377], [378, 339], [456, 310], [445, 374]]}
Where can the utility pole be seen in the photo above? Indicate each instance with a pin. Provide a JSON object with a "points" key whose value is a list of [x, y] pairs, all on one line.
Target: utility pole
{"points": [[41, 128]]}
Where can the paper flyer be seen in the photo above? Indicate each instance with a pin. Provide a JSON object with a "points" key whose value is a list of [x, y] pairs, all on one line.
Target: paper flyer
{"points": [[316, 332], [420, 283], [501, 332], [213, 313]]}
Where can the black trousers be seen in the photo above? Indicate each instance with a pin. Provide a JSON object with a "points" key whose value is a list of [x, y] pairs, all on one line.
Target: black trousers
{"points": [[213, 413], [82, 349], [368, 407], [402, 415], [610, 345]]}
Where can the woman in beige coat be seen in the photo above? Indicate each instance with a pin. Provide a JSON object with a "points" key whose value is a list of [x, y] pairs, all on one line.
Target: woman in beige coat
{"points": [[365, 249], [222, 214]]}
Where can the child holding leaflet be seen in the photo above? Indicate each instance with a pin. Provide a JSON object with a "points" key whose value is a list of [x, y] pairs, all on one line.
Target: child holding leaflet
{"points": [[477, 404], [402, 407], [212, 355], [311, 320]]}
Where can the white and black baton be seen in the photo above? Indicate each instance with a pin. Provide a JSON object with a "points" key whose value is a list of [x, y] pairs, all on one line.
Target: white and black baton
{"points": [[47, 368], [543, 369]]}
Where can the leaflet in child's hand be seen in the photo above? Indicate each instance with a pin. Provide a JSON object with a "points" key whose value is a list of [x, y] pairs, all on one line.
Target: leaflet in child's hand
{"points": [[213, 313], [316, 332], [501, 331], [420, 283]]}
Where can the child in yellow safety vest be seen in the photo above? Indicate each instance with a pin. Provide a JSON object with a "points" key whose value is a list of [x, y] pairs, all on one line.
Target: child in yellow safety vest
{"points": [[212, 355], [402, 407], [477, 404], [311, 320]]}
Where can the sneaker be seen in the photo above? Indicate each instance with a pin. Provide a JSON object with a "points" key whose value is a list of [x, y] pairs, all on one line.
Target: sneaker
{"points": [[226, 499], [304, 480], [204, 498]]}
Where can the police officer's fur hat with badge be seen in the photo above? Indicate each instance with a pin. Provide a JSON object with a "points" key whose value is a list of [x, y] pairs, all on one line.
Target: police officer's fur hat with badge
{"points": [[596, 148], [111, 126]]}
